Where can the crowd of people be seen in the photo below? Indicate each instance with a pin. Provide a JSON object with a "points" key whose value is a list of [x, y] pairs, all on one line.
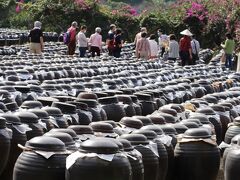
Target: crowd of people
{"points": [[186, 50], [167, 46], [94, 43]]}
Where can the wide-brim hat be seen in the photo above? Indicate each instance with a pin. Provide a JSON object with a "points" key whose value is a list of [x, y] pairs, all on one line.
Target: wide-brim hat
{"points": [[186, 32]]}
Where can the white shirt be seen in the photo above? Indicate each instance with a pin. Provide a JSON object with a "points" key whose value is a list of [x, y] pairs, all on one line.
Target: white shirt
{"points": [[153, 47], [82, 40], [195, 46], [173, 49]]}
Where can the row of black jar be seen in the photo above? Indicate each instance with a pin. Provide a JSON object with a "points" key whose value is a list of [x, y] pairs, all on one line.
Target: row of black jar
{"points": [[127, 125]]}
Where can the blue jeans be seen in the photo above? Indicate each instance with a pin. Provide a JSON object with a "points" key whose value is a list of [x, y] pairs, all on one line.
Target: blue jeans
{"points": [[82, 51], [228, 62]]}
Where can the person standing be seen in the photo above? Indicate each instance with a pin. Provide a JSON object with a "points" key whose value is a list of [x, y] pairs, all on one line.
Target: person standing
{"points": [[118, 43], [163, 41], [229, 47], [110, 39], [185, 49], [138, 35], [173, 51], [143, 47], [95, 42], [72, 42], [36, 38], [195, 49], [153, 46], [82, 41]]}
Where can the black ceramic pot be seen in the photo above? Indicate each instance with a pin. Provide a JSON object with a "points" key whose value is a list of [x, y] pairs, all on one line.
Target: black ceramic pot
{"points": [[18, 137], [232, 163], [114, 166], [31, 120], [135, 159], [150, 160], [233, 130], [113, 109], [192, 154], [5, 144], [35, 161]]}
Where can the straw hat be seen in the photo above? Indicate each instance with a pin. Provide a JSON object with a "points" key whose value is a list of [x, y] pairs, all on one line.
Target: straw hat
{"points": [[186, 32]]}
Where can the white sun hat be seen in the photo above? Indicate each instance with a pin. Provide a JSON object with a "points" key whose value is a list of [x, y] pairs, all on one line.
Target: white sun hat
{"points": [[186, 32]]}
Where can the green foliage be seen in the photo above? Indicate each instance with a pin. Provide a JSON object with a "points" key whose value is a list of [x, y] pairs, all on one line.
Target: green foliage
{"points": [[204, 18]]}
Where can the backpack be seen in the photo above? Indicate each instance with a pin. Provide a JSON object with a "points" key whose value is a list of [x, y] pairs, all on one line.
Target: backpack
{"points": [[66, 37]]}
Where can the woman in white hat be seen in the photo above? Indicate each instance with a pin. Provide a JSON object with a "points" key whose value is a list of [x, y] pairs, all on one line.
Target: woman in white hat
{"points": [[185, 49]]}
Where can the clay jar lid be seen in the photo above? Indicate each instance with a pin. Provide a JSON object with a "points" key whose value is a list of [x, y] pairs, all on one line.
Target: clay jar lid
{"points": [[31, 104], [206, 111], [2, 123], [99, 146], [87, 95], [228, 105], [119, 144], [135, 139], [101, 94], [203, 118], [12, 106], [128, 90], [53, 111], [127, 146], [125, 99], [148, 133], [27, 117], [180, 128], [68, 131], [64, 137], [210, 99], [145, 120], [131, 122], [48, 87], [44, 143], [40, 113], [197, 121], [168, 117], [157, 119], [8, 88], [108, 100], [178, 107], [168, 129], [102, 127], [197, 133], [154, 128], [170, 111], [231, 101], [81, 129], [22, 89], [90, 102], [113, 123], [79, 105], [65, 107], [217, 107], [143, 97], [11, 118], [190, 124], [47, 101], [35, 88]]}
